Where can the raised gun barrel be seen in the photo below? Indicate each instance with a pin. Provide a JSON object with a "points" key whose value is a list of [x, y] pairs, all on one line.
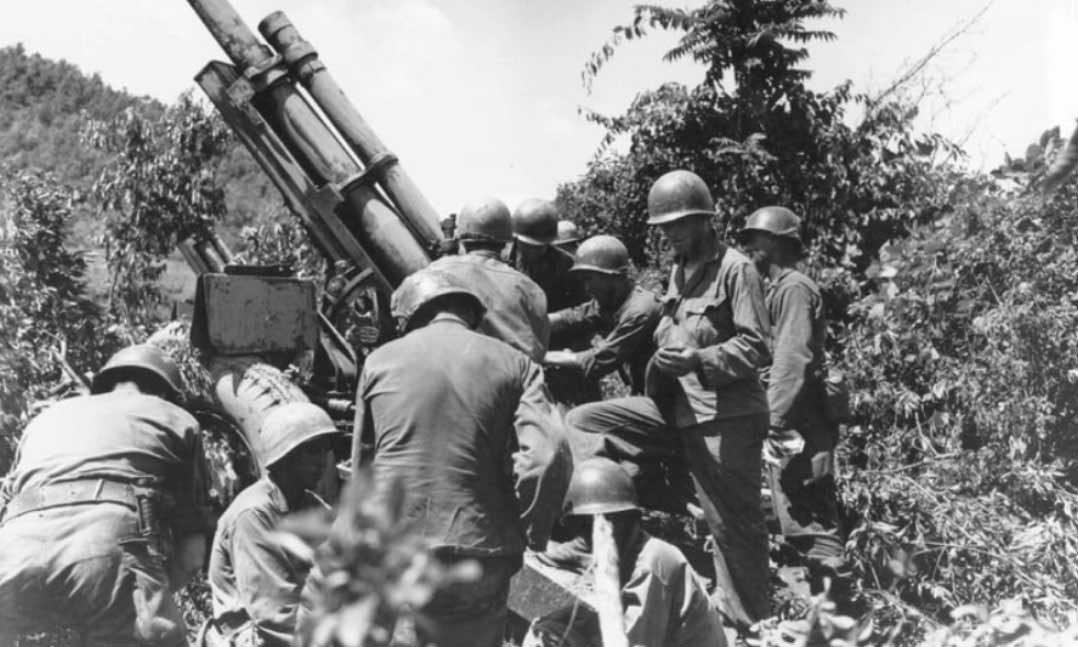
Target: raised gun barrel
{"points": [[322, 181]]}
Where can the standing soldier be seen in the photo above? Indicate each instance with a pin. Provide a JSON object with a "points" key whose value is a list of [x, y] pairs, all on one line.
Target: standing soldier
{"points": [[465, 422], [256, 583], [535, 230], [516, 312], [101, 484], [705, 392], [621, 311], [802, 439]]}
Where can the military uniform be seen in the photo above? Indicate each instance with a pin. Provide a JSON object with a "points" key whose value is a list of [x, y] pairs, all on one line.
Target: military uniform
{"points": [[718, 414], [666, 605], [255, 582], [84, 534], [516, 306], [627, 336], [465, 421], [803, 491]]}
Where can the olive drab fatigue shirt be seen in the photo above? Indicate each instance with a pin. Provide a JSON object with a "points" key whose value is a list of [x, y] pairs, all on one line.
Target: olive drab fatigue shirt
{"points": [[466, 422], [628, 335], [252, 577], [120, 436], [719, 310], [799, 330], [516, 306]]}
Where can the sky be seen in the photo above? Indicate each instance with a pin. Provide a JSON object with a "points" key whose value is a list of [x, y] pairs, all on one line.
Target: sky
{"points": [[482, 97]]}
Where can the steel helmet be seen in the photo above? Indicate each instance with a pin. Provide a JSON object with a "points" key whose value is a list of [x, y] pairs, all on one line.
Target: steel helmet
{"points": [[777, 221], [142, 358], [536, 222], [485, 219], [604, 254], [676, 195], [599, 486], [422, 287], [289, 425], [568, 232]]}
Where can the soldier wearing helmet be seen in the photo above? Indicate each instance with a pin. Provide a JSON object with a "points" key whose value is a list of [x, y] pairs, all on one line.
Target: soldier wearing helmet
{"points": [[703, 382], [255, 583], [623, 313], [516, 312], [448, 411], [666, 603], [801, 441], [535, 252], [106, 511]]}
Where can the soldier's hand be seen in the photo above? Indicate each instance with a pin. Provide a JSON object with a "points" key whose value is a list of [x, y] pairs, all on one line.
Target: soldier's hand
{"points": [[677, 361]]}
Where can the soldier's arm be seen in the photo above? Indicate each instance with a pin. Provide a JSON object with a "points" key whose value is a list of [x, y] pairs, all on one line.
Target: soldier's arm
{"points": [[192, 513], [576, 321], [267, 580], [542, 464], [631, 331], [741, 356], [362, 430], [792, 332]]}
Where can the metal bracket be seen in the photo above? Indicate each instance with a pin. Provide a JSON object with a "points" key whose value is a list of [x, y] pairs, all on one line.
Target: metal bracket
{"points": [[371, 172]]}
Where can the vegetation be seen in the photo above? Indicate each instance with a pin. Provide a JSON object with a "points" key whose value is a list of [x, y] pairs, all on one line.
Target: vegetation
{"points": [[953, 299]]}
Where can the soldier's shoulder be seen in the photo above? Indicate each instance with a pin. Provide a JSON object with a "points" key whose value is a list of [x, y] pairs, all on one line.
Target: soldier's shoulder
{"points": [[662, 558], [795, 280], [255, 504]]}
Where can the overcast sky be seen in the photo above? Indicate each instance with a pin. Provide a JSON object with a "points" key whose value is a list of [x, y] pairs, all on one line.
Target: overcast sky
{"points": [[481, 96]]}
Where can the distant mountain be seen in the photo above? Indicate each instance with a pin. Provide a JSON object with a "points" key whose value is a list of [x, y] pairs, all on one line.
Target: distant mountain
{"points": [[43, 104]]}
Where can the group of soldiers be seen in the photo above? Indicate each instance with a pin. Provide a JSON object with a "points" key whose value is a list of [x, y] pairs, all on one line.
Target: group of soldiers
{"points": [[487, 410]]}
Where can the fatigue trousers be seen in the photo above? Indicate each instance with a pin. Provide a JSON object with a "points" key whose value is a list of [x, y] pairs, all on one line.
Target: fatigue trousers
{"points": [[804, 496], [724, 459], [89, 568]]}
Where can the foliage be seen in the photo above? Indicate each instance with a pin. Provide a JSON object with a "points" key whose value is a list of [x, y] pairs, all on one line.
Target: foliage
{"points": [[371, 571], [952, 297], [43, 310], [159, 189]]}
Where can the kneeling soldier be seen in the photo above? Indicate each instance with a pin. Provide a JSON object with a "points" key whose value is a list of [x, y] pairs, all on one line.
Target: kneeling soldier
{"points": [[101, 485], [256, 583]]}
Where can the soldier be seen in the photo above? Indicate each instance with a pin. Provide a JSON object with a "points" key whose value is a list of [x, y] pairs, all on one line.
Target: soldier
{"points": [[802, 439], [465, 422], [666, 604], [535, 230], [516, 312], [100, 485], [621, 311], [254, 581], [704, 390]]}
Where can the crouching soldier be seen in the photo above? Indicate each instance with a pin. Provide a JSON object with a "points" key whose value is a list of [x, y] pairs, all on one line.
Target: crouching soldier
{"points": [[665, 602], [255, 582], [621, 311], [465, 423], [106, 512]]}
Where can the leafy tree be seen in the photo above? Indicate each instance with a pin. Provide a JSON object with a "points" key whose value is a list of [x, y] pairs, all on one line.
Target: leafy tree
{"points": [[159, 189], [43, 308]]}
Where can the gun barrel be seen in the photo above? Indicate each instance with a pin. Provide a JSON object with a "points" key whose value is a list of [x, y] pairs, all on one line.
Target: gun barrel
{"points": [[384, 236], [308, 69], [229, 30]]}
